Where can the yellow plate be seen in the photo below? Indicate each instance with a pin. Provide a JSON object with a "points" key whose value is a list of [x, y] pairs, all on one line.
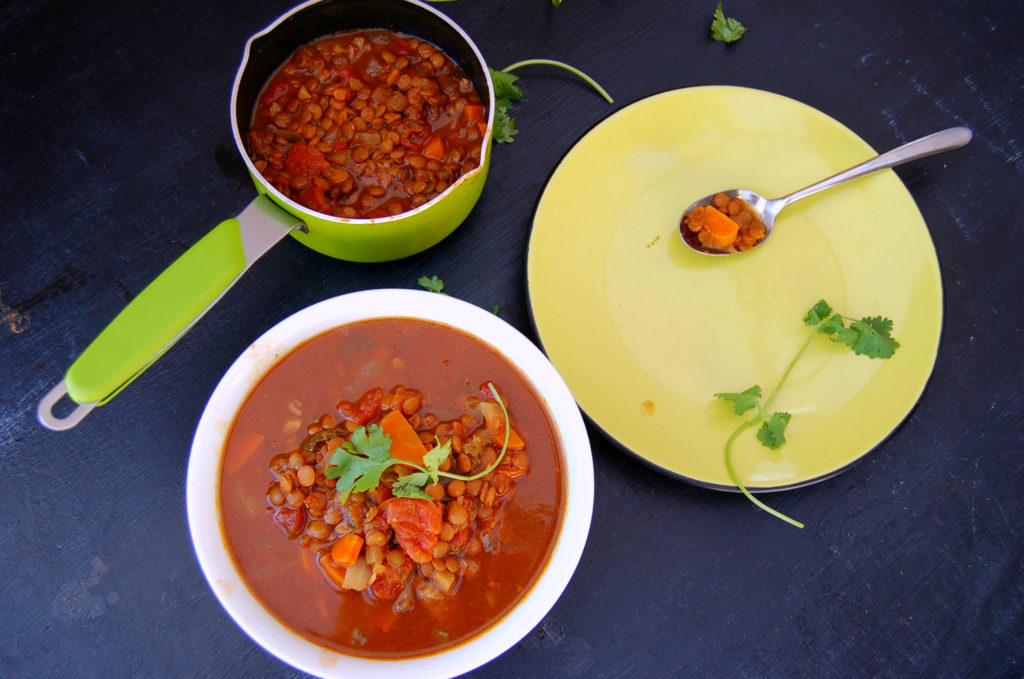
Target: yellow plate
{"points": [[645, 331]]}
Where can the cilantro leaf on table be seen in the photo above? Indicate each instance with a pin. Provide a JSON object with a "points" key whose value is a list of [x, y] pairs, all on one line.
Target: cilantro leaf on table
{"points": [[504, 126], [433, 284], [506, 92], [742, 401], [725, 29]]}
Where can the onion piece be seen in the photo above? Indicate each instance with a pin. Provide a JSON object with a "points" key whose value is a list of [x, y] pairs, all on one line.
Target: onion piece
{"points": [[444, 580], [357, 576]]}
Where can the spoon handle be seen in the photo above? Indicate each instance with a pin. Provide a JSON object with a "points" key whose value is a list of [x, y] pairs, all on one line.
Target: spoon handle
{"points": [[946, 140]]}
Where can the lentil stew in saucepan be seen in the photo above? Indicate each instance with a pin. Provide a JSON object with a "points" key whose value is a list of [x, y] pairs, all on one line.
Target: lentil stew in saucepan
{"points": [[367, 124], [366, 572]]}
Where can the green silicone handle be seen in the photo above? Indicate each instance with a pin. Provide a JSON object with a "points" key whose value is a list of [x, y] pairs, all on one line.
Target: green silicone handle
{"points": [[158, 316]]}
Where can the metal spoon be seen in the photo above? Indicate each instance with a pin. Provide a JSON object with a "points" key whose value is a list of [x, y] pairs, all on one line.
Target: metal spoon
{"points": [[768, 209]]}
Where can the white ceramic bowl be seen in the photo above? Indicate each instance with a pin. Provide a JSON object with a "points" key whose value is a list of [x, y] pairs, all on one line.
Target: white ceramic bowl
{"points": [[204, 470]]}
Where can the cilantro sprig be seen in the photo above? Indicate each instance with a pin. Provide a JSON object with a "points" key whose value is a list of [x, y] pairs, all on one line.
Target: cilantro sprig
{"points": [[431, 283], [506, 92], [870, 336], [359, 464], [726, 29]]}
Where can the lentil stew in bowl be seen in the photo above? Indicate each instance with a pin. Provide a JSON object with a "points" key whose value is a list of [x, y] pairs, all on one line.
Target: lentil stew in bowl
{"points": [[391, 488], [367, 572]]}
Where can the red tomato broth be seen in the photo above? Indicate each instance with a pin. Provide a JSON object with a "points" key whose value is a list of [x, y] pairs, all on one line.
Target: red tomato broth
{"points": [[340, 365]]}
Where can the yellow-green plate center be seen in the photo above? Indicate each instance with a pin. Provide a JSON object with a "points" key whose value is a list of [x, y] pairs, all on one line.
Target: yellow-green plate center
{"points": [[645, 331]]}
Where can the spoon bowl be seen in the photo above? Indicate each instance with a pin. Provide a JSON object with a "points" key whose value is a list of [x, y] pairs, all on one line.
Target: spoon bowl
{"points": [[708, 234]]}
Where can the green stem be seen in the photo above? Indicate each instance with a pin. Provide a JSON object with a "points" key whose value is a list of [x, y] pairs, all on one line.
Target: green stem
{"points": [[504, 447], [762, 412], [789, 368], [551, 62], [736, 479]]}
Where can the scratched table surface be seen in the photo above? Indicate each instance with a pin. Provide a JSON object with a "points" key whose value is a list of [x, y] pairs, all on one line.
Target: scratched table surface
{"points": [[116, 154]]}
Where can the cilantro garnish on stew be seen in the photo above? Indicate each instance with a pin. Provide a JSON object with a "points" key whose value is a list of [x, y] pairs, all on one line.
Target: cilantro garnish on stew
{"points": [[870, 336], [360, 462]]}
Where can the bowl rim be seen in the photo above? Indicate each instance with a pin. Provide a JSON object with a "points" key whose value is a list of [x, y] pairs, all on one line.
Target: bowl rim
{"points": [[204, 474]]}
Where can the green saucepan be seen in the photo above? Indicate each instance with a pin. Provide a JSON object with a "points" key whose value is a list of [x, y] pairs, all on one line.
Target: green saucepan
{"points": [[166, 309]]}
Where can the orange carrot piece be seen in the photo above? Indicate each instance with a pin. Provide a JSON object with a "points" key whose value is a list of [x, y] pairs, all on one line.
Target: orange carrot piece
{"points": [[334, 574], [721, 226], [495, 420], [247, 446], [345, 551], [473, 112], [435, 148], [405, 442]]}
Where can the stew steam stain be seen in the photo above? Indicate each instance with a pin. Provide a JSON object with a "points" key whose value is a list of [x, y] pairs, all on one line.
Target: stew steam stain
{"points": [[16, 317], [15, 321], [75, 601]]}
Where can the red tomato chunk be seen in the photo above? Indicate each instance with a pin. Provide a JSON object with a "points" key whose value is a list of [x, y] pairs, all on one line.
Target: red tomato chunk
{"points": [[416, 524], [367, 124]]}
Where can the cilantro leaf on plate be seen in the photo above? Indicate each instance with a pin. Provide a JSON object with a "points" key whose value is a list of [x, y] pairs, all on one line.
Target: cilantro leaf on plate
{"points": [[773, 430], [867, 337], [742, 401], [870, 336], [873, 339], [819, 312]]}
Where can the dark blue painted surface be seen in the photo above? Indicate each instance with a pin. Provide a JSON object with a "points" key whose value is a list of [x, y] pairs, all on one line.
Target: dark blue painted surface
{"points": [[116, 155]]}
